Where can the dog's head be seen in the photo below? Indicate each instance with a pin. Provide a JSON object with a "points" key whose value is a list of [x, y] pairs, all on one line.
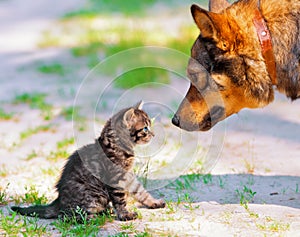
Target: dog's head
{"points": [[226, 70]]}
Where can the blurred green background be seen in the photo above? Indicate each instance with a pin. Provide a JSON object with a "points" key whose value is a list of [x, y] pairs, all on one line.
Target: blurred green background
{"points": [[103, 28]]}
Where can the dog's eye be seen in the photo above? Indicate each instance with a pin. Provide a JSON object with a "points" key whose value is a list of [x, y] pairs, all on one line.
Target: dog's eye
{"points": [[199, 80], [220, 87]]}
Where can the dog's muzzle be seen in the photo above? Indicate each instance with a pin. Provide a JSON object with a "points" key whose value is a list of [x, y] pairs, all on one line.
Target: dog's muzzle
{"points": [[176, 120]]}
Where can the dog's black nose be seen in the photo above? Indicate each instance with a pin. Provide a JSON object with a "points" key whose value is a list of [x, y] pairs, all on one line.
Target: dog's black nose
{"points": [[175, 120]]}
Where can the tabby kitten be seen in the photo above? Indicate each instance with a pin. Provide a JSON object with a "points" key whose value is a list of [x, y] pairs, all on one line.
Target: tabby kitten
{"points": [[100, 173]]}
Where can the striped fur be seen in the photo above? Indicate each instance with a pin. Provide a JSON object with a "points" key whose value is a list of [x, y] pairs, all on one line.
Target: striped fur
{"points": [[100, 173]]}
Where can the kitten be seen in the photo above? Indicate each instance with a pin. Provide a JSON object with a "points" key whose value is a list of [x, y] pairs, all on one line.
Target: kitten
{"points": [[100, 173]]}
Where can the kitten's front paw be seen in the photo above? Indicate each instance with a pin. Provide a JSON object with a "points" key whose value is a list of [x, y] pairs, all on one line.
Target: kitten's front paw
{"points": [[127, 216], [157, 203]]}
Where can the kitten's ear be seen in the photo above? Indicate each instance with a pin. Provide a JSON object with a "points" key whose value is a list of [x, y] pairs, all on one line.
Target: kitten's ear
{"points": [[139, 105], [129, 117]]}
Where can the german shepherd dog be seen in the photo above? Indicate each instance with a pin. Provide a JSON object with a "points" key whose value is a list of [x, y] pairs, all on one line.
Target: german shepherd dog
{"points": [[244, 51]]}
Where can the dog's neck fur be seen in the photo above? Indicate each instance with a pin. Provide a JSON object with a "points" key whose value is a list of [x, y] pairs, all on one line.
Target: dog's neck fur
{"points": [[284, 30]]}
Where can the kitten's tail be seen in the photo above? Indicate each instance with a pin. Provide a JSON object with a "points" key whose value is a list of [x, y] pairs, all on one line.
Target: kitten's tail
{"points": [[41, 211]]}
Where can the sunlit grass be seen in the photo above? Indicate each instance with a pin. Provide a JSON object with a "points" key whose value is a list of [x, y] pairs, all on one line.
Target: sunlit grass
{"points": [[53, 68], [110, 35], [71, 112], [61, 152], [31, 196], [272, 226], [4, 115], [31, 131], [33, 154], [36, 101], [14, 225], [95, 8], [3, 195], [96, 38], [50, 171], [80, 225], [65, 143], [142, 76], [54, 156], [3, 171], [85, 50]]}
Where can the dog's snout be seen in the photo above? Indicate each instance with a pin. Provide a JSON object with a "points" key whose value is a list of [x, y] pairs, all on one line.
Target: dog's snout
{"points": [[176, 120], [197, 74]]}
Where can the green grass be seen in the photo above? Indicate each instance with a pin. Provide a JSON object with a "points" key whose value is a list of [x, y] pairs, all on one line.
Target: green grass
{"points": [[94, 8], [122, 234], [79, 120], [55, 156], [32, 196], [86, 37], [35, 101], [86, 50], [61, 152], [69, 112], [143, 172], [53, 68], [3, 195], [245, 195], [31, 131], [82, 226], [188, 201], [171, 208], [207, 179], [185, 182], [72, 113], [128, 227], [33, 154], [14, 225], [4, 115], [51, 171], [141, 76], [221, 182], [65, 143]]}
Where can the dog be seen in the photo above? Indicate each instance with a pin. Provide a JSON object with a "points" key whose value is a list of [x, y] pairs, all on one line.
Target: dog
{"points": [[244, 51]]}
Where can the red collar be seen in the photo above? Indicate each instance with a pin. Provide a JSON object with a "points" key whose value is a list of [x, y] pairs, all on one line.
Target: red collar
{"points": [[264, 37]]}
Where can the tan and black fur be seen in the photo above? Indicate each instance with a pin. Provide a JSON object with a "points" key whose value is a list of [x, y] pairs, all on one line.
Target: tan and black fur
{"points": [[227, 68], [100, 173]]}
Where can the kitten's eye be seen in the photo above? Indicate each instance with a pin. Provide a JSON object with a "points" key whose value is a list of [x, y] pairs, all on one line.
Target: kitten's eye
{"points": [[145, 129]]}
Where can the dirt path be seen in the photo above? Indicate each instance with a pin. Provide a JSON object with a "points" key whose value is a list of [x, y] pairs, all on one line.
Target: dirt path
{"points": [[257, 166]]}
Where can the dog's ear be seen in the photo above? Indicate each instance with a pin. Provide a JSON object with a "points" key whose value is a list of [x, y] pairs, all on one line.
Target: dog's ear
{"points": [[206, 22], [218, 5]]}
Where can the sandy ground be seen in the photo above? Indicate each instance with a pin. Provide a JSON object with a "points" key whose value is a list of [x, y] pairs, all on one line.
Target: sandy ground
{"points": [[259, 149]]}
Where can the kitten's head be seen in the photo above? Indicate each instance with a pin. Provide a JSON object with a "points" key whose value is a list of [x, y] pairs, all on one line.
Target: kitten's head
{"points": [[138, 124]]}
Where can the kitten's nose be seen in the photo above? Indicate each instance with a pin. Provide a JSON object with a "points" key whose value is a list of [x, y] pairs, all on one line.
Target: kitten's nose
{"points": [[176, 120]]}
